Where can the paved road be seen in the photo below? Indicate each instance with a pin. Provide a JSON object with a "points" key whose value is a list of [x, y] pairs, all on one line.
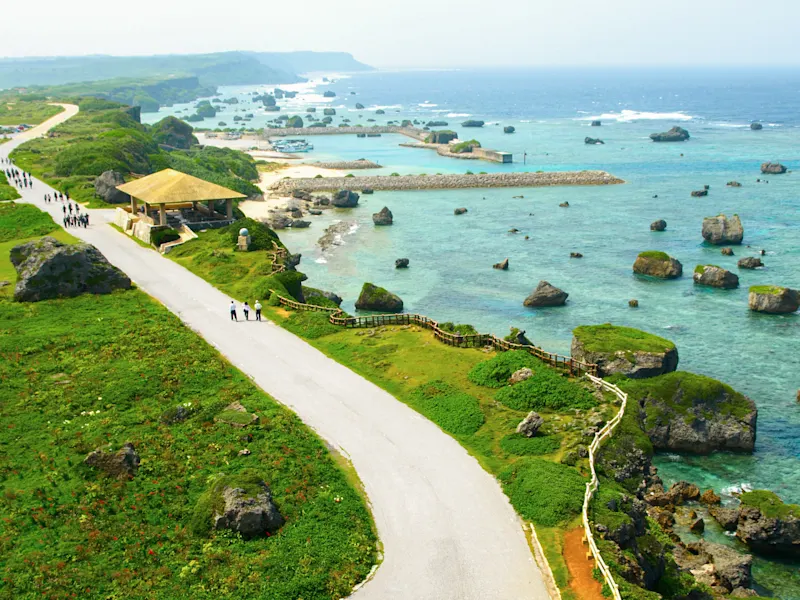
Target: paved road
{"points": [[447, 529]]}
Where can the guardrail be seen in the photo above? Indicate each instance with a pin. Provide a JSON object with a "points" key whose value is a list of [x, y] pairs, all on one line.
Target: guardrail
{"points": [[591, 486]]}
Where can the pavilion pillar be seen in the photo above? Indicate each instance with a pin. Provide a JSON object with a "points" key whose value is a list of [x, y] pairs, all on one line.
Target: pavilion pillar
{"points": [[229, 208], [163, 214], [210, 207], [134, 208]]}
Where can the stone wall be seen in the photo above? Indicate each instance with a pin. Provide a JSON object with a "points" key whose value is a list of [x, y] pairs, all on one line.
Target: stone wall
{"points": [[412, 132], [440, 182]]}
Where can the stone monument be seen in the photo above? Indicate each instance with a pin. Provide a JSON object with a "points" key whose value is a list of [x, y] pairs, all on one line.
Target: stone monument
{"points": [[244, 240]]}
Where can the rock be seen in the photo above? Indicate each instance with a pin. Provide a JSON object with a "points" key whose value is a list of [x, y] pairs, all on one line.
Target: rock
{"points": [[596, 123], [633, 303], [345, 199], [699, 193], [299, 224], [590, 140], [564, 205], [329, 112], [443, 136], [664, 518], [676, 134], [756, 126], [721, 230], [359, 106], [249, 515], [770, 168], [121, 464], [726, 252], [472, 123], [733, 184], [750, 262], [631, 352], [105, 186], [48, 269], [714, 276], [657, 264], [329, 94], [728, 518], [521, 375], [401, 263], [697, 526], [509, 129], [776, 533], [460, 211], [314, 211], [296, 213], [769, 299], [376, 298], [384, 217], [659, 225], [277, 221], [575, 255], [530, 424], [502, 265], [709, 497], [546, 295], [314, 293], [367, 191]]}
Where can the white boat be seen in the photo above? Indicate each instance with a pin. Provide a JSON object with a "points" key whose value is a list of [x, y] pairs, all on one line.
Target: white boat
{"points": [[292, 146]]}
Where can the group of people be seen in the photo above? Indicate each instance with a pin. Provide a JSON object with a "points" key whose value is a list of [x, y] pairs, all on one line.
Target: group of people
{"points": [[17, 177], [245, 310], [56, 196], [75, 219]]}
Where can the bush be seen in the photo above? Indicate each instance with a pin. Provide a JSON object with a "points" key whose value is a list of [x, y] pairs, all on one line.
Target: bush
{"points": [[524, 446], [261, 236], [451, 409], [464, 147], [543, 492], [461, 328], [547, 389], [310, 325], [288, 284], [163, 236], [495, 372]]}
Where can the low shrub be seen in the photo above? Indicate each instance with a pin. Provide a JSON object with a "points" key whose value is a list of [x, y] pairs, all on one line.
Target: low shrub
{"points": [[261, 236], [460, 328], [451, 409], [495, 372], [547, 389], [524, 446], [310, 325]]}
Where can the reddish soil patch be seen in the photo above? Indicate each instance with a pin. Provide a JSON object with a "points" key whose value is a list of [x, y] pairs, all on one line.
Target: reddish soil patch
{"points": [[580, 568]]}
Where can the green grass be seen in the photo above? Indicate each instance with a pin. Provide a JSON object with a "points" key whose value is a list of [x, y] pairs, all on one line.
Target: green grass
{"points": [[7, 191], [770, 504], [546, 389], [546, 493], [520, 445], [496, 371], [654, 255], [17, 112], [772, 290], [23, 221], [452, 410], [614, 338]]}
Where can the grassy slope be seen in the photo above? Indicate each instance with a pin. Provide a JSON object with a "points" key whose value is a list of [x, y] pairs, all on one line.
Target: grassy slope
{"points": [[770, 504], [614, 338], [7, 191], [31, 113], [69, 530]]}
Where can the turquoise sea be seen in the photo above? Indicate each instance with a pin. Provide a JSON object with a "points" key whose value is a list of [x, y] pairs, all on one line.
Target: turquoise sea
{"points": [[451, 276]]}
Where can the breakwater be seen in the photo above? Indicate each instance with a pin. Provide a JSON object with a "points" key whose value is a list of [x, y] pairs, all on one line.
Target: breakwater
{"points": [[349, 165], [443, 182]]}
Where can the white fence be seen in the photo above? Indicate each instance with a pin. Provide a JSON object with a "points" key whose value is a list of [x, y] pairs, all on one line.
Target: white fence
{"points": [[591, 487]]}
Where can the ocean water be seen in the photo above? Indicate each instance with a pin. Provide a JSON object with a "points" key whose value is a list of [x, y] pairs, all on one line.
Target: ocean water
{"points": [[451, 275]]}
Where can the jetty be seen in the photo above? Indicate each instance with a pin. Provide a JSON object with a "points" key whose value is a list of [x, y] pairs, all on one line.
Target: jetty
{"points": [[444, 182]]}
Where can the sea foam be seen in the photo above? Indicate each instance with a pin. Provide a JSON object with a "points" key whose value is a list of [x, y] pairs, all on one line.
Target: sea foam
{"points": [[628, 116]]}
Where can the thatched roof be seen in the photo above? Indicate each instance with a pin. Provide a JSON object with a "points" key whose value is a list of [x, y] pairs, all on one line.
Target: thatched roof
{"points": [[173, 187]]}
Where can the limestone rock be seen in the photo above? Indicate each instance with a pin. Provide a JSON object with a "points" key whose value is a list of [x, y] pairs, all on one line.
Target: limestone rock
{"points": [[596, 123], [709, 497], [722, 230], [546, 295], [657, 264], [312, 293], [509, 129], [122, 464], [756, 126], [48, 269], [728, 518], [750, 262], [592, 141], [378, 299], [697, 526], [676, 134], [521, 375], [659, 225], [345, 199], [770, 299], [575, 255], [278, 221], [384, 217], [105, 186], [769, 535], [250, 516], [714, 276], [530, 424], [300, 224], [733, 184], [401, 263], [460, 211], [633, 303], [699, 193], [617, 349], [726, 252], [367, 191], [502, 265], [771, 168]]}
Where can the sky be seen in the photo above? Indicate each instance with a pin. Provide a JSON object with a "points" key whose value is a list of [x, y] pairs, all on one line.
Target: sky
{"points": [[419, 33]]}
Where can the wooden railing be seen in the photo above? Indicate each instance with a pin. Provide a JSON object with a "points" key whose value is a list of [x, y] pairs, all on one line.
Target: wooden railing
{"points": [[277, 254], [591, 486], [480, 340]]}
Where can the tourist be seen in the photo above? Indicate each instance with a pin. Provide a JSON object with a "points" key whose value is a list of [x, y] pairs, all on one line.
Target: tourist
{"points": [[64, 209], [70, 207], [233, 311], [258, 310], [246, 311]]}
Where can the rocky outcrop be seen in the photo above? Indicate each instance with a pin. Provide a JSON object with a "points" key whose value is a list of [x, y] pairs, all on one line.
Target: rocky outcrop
{"points": [[771, 168], [250, 515], [686, 412], [773, 299], [756, 126], [105, 186], [657, 264], [592, 141], [631, 352], [722, 230], [315, 293], [717, 566], [359, 106], [726, 252], [679, 493], [530, 424], [472, 123], [521, 375], [121, 464], [676, 134], [699, 193], [660, 225], [278, 221], [728, 518], [769, 526], [401, 263], [383, 217], [445, 136], [460, 211], [750, 262], [596, 123], [546, 294], [377, 299], [509, 129], [714, 276], [345, 199], [502, 265], [48, 269], [735, 184]]}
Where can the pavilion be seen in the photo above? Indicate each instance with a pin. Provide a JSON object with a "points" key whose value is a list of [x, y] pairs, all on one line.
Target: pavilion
{"points": [[170, 189]]}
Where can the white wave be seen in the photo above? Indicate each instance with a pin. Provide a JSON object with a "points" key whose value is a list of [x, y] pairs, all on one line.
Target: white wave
{"points": [[454, 115], [384, 107], [321, 261], [737, 488], [730, 125], [673, 457], [440, 110], [525, 121], [628, 116], [353, 229], [427, 104]]}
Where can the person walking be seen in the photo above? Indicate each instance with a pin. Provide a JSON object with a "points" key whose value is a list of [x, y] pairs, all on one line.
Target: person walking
{"points": [[258, 310], [246, 311], [233, 311]]}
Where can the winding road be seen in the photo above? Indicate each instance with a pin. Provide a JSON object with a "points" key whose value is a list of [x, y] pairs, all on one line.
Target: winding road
{"points": [[448, 531]]}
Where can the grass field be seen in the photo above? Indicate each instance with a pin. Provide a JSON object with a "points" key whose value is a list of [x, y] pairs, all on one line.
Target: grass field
{"points": [[31, 113], [96, 371], [7, 191]]}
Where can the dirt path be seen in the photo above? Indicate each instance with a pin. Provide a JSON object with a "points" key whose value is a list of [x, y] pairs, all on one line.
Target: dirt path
{"points": [[580, 568]]}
